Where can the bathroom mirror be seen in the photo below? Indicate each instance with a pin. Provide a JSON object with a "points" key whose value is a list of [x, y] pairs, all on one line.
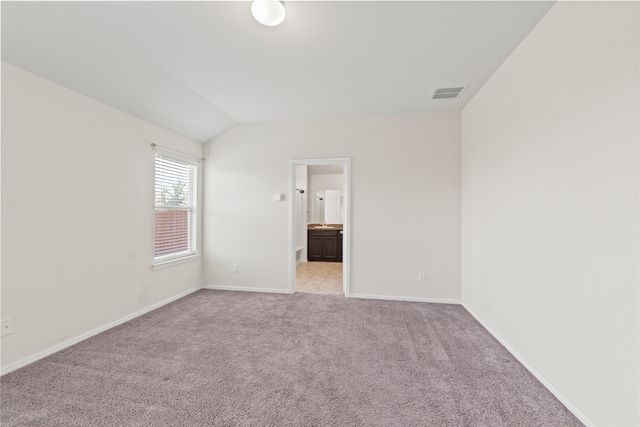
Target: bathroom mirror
{"points": [[328, 206], [319, 207]]}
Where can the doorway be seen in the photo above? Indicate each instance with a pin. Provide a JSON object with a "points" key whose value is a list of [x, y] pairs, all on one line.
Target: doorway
{"points": [[298, 224]]}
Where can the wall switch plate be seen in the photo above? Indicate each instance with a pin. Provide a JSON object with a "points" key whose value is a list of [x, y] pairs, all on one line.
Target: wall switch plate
{"points": [[278, 197], [234, 267], [147, 284], [7, 326], [422, 277]]}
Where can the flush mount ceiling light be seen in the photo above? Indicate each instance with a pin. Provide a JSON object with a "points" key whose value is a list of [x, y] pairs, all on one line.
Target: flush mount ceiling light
{"points": [[268, 12]]}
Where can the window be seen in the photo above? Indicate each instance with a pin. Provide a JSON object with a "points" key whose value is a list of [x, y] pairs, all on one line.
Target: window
{"points": [[175, 198]]}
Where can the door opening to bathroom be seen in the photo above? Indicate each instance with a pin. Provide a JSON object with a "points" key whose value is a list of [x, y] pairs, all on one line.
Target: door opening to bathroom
{"points": [[319, 219]]}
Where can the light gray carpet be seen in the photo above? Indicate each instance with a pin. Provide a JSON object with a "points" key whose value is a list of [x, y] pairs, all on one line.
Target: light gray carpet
{"points": [[217, 358]]}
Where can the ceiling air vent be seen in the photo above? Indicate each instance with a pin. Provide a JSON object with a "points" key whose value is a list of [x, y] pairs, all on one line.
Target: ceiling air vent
{"points": [[447, 93]]}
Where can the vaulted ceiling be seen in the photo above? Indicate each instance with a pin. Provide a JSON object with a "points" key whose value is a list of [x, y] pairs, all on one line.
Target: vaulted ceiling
{"points": [[198, 68]]}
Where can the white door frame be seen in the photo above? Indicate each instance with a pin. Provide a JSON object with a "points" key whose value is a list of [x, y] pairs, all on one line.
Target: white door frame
{"points": [[345, 162]]}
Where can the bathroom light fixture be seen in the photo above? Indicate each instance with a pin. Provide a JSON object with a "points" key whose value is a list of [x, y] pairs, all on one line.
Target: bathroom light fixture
{"points": [[268, 12]]}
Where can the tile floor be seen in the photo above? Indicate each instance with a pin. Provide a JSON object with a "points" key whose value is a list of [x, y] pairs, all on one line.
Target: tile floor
{"points": [[319, 277]]}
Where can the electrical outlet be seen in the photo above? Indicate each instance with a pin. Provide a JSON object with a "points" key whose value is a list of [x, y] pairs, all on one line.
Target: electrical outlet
{"points": [[422, 277], [234, 267], [147, 284], [7, 326]]}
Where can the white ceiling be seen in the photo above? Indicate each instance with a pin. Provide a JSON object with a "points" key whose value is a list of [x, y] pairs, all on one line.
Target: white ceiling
{"points": [[198, 68]]}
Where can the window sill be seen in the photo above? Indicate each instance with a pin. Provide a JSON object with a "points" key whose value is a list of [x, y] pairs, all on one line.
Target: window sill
{"points": [[157, 265]]}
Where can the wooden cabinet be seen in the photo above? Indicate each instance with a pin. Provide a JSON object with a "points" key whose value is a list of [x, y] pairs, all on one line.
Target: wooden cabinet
{"points": [[324, 245]]}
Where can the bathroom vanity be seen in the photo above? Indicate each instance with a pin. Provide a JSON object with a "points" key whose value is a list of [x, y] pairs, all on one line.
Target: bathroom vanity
{"points": [[324, 243]]}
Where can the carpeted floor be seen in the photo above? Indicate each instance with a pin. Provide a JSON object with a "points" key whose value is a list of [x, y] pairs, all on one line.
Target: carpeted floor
{"points": [[218, 358]]}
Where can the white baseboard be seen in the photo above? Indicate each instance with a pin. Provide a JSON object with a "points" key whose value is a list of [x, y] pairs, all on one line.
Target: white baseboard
{"points": [[412, 299], [545, 382], [28, 360], [246, 289]]}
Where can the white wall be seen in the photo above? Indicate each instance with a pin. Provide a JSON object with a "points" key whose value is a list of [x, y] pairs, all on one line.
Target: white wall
{"points": [[301, 212], [550, 206], [77, 215], [413, 159]]}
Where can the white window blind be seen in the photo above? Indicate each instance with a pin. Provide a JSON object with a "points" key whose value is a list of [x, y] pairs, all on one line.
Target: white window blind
{"points": [[175, 199]]}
